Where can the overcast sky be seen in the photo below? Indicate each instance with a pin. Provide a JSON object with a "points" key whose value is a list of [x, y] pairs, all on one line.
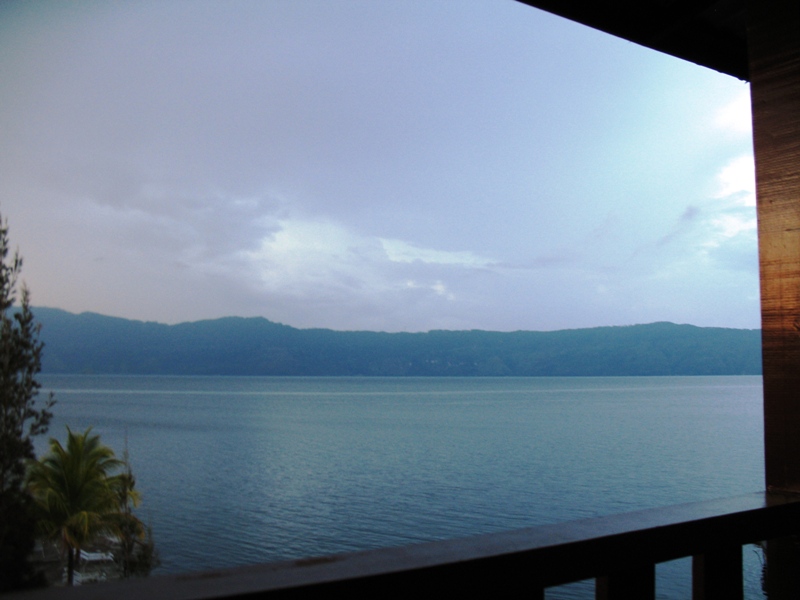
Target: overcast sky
{"points": [[386, 165]]}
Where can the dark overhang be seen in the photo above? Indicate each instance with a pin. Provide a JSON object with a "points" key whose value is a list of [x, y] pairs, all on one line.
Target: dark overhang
{"points": [[711, 33]]}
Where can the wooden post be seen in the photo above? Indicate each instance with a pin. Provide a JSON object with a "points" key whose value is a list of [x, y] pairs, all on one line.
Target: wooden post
{"points": [[634, 584], [774, 42], [774, 46], [717, 574]]}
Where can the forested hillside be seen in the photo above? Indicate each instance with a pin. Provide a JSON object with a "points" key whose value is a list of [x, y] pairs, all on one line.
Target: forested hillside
{"points": [[92, 343]]}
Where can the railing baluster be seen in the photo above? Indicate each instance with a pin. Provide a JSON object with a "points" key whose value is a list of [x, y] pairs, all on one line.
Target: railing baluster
{"points": [[782, 569], [515, 564], [717, 574], [633, 584]]}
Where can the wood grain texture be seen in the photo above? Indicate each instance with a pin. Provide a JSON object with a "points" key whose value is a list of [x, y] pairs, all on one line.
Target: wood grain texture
{"points": [[774, 38]]}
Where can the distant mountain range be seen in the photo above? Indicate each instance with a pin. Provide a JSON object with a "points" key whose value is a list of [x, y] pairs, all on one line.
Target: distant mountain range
{"points": [[92, 343]]}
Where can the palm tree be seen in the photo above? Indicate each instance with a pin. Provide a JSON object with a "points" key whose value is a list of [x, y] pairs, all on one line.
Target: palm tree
{"points": [[75, 492]]}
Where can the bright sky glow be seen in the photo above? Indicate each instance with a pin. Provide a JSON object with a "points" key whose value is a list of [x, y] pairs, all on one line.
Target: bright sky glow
{"points": [[737, 178], [370, 165]]}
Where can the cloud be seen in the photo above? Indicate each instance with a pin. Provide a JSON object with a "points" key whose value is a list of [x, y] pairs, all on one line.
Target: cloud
{"points": [[716, 234], [727, 213], [686, 221], [437, 287], [326, 260], [199, 231], [308, 253], [310, 250], [362, 164], [403, 252], [731, 225], [735, 116], [562, 258], [736, 181]]}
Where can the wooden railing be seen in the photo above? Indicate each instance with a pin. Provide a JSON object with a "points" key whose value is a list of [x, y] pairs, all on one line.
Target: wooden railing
{"points": [[619, 551]]}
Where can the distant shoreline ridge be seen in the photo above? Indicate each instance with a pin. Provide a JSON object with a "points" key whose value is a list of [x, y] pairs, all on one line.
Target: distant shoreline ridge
{"points": [[89, 343]]}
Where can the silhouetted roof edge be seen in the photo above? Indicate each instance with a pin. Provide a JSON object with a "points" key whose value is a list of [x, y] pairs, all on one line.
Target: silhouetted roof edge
{"points": [[711, 33]]}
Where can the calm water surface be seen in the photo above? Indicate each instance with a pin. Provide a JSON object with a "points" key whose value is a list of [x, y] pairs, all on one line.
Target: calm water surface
{"points": [[243, 470]]}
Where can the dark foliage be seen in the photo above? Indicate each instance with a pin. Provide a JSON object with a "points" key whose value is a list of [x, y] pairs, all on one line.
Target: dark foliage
{"points": [[20, 419], [17, 531]]}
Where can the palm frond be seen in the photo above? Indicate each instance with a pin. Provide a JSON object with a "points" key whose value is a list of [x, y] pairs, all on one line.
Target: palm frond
{"points": [[79, 493]]}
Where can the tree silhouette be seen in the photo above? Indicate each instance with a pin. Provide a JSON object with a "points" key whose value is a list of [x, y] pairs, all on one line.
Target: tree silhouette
{"points": [[20, 418], [75, 492], [137, 555]]}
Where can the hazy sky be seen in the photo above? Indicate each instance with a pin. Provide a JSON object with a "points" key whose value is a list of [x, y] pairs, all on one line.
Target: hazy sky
{"points": [[388, 165]]}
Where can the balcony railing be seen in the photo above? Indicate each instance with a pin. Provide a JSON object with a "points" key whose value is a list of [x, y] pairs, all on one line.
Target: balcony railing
{"points": [[620, 552]]}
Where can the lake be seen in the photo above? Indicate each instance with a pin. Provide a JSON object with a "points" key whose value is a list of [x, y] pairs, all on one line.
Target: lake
{"points": [[240, 470]]}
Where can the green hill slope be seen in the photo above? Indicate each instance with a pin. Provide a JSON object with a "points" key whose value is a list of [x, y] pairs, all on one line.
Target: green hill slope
{"points": [[92, 343]]}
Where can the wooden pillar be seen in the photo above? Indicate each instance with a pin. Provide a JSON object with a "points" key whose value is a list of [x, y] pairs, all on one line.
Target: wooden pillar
{"points": [[635, 584], [717, 574], [774, 42], [781, 581]]}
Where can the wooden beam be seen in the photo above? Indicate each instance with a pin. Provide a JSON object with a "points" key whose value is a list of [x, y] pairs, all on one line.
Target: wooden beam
{"points": [[631, 584], [781, 577], [706, 32], [774, 42], [510, 564], [717, 574]]}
